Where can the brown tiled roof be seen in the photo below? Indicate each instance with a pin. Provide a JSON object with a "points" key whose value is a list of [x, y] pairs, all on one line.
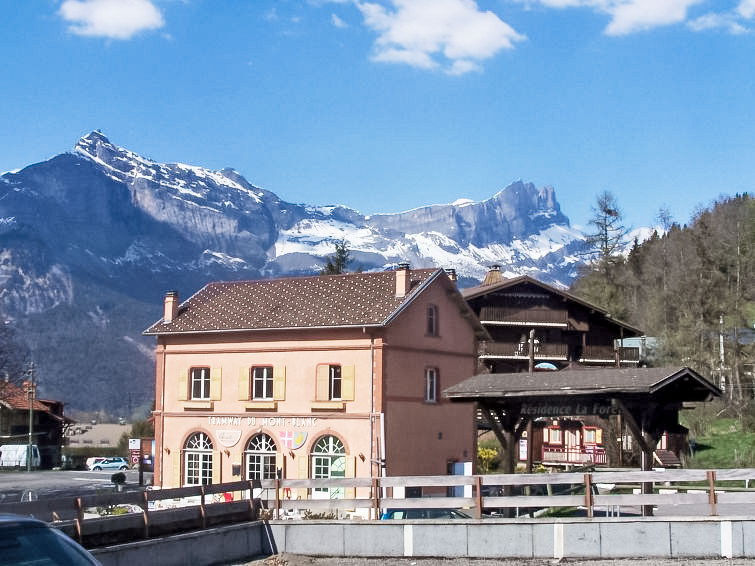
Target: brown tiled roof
{"points": [[583, 382], [353, 299], [15, 397]]}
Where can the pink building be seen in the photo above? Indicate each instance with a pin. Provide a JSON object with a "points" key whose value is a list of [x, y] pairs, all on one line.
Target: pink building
{"points": [[314, 377]]}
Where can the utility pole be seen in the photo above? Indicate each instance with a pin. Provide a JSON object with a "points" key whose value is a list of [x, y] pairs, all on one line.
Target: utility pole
{"points": [[721, 351], [30, 385]]}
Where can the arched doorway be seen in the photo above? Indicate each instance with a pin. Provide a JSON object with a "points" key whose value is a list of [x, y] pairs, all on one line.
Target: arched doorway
{"points": [[198, 460], [328, 461]]}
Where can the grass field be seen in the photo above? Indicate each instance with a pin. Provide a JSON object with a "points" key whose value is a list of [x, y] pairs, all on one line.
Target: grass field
{"points": [[724, 445]]}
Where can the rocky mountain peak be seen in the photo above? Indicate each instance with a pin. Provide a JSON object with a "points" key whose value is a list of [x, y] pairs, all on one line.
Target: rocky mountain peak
{"points": [[99, 233]]}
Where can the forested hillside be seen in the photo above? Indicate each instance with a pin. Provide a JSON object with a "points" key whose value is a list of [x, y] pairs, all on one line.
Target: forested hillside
{"points": [[689, 286]]}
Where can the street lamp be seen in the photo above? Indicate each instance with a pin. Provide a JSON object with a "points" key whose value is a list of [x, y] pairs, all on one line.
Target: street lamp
{"points": [[30, 392]]}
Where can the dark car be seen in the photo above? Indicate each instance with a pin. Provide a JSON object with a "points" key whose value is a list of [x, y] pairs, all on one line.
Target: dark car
{"points": [[27, 541], [424, 514]]}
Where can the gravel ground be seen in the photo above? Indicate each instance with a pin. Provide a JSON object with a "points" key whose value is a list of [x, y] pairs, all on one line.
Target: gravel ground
{"points": [[297, 560]]}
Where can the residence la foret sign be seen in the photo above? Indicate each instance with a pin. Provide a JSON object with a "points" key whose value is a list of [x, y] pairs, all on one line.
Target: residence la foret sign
{"points": [[568, 409], [293, 438]]}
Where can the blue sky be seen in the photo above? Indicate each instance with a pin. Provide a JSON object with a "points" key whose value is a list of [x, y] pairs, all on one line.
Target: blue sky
{"points": [[386, 105]]}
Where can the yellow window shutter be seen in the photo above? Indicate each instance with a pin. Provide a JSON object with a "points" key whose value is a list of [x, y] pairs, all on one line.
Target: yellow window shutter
{"points": [[216, 466], [178, 457], [351, 472], [183, 384], [279, 383], [244, 388], [347, 383], [303, 473], [323, 382], [599, 436], [215, 384]]}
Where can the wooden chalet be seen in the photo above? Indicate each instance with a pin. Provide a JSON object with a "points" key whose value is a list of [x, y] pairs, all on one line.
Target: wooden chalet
{"points": [[536, 327], [567, 329]]}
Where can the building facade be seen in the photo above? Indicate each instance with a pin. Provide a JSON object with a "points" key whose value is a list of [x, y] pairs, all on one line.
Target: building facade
{"points": [[313, 377], [48, 421], [567, 332]]}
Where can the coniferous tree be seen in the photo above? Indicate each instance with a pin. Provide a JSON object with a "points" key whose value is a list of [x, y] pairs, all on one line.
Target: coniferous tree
{"points": [[337, 263]]}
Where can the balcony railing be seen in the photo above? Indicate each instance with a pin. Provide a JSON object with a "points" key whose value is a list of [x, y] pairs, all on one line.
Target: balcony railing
{"points": [[521, 317], [596, 455], [521, 351], [607, 354]]}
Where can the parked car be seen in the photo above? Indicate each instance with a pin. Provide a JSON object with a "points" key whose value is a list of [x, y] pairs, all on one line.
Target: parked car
{"points": [[92, 461], [117, 463], [24, 540], [424, 514], [535, 490]]}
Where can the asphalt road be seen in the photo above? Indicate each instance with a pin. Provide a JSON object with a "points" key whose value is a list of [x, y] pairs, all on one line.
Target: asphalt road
{"points": [[50, 484]]}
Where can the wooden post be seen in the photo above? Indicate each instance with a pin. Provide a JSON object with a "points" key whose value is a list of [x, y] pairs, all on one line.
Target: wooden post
{"points": [[145, 512], [79, 519], [375, 499], [252, 506], [202, 510], [532, 350], [588, 495], [712, 498], [478, 502], [277, 498], [530, 447]]}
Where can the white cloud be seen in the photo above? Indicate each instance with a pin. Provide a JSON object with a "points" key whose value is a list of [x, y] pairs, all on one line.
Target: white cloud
{"points": [[746, 8], [630, 16], [639, 15], [338, 22], [714, 21], [451, 34], [114, 19]]}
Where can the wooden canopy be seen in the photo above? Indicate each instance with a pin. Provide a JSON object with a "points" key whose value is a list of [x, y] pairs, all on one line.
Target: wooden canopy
{"points": [[649, 399]]}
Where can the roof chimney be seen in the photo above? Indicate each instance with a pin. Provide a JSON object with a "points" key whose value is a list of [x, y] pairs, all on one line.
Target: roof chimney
{"points": [[493, 275], [451, 274], [402, 279], [170, 307]]}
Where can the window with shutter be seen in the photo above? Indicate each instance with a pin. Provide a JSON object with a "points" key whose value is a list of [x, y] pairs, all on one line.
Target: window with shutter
{"points": [[200, 383]]}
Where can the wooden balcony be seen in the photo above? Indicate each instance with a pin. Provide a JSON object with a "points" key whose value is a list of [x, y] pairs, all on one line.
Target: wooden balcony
{"points": [[586, 455], [521, 351], [506, 316], [607, 355]]}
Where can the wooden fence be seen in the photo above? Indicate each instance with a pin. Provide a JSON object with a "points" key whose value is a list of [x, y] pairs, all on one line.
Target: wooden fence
{"points": [[162, 511]]}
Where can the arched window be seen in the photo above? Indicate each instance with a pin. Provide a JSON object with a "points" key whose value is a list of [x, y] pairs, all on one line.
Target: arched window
{"points": [[260, 458], [328, 461], [198, 460]]}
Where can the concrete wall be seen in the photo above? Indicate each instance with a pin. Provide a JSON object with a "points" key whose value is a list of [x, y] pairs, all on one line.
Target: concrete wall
{"points": [[212, 546], [490, 538]]}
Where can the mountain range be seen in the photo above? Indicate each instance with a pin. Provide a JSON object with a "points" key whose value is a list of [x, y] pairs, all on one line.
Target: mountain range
{"points": [[92, 238]]}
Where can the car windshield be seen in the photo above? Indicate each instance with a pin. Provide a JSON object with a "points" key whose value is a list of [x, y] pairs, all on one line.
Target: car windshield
{"points": [[39, 546]]}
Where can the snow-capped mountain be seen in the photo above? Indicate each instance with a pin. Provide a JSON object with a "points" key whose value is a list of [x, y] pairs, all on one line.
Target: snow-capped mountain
{"points": [[90, 240]]}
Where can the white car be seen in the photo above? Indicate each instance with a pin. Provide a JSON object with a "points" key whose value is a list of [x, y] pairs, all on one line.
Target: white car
{"points": [[92, 461]]}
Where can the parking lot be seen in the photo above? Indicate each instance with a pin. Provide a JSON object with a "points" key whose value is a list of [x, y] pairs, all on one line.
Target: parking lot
{"points": [[49, 484]]}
